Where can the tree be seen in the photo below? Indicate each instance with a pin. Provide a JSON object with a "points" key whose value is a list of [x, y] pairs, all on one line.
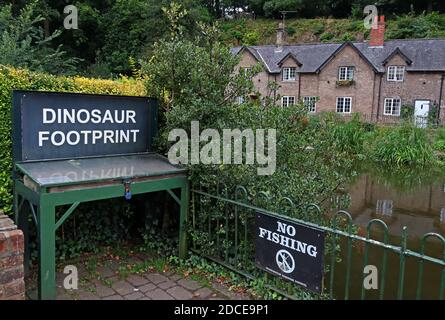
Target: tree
{"points": [[272, 8], [195, 81]]}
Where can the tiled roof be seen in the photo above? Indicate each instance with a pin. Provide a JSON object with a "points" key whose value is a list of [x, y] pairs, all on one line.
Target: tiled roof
{"points": [[425, 54]]}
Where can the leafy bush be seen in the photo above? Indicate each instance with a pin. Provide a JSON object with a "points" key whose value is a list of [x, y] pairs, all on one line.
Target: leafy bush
{"points": [[433, 115], [407, 112], [24, 44], [421, 26], [326, 36], [204, 89], [291, 30], [349, 136], [318, 28], [348, 37], [403, 145], [251, 38], [439, 143]]}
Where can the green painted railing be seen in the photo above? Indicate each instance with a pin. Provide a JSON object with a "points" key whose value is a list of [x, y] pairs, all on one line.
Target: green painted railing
{"points": [[221, 229]]}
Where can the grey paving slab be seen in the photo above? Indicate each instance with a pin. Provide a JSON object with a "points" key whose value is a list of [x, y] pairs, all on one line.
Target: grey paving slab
{"points": [[158, 294], [179, 293], [122, 287], [190, 284], [156, 278]]}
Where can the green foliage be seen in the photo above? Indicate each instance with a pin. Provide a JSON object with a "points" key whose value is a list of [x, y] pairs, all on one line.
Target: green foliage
{"points": [[23, 42], [439, 143], [348, 136], [433, 114], [251, 38], [421, 26], [273, 7], [401, 146], [318, 28], [348, 37], [291, 30], [407, 112], [326, 36], [302, 29], [91, 227], [194, 80], [111, 31]]}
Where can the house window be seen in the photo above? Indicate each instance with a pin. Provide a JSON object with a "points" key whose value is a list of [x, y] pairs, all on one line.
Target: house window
{"points": [[287, 101], [396, 73], [384, 207], [345, 73], [310, 103], [392, 107], [344, 104], [289, 74]]}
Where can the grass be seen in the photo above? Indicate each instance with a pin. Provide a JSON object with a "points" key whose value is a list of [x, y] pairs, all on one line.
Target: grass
{"points": [[403, 145]]}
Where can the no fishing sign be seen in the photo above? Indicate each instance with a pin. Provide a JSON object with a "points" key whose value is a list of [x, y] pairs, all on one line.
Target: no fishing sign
{"points": [[290, 250]]}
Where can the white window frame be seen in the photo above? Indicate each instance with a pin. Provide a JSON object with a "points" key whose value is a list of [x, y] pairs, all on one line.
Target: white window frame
{"points": [[346, 73], [343, 104], [394, 72], [391, 103], [310, 102], [287, 74], [287, 99]]}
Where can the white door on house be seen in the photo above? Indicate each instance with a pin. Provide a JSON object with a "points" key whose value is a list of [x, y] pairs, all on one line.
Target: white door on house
{"points": [[421, 109]]}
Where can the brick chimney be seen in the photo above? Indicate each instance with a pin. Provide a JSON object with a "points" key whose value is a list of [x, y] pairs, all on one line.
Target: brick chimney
{"points": [[280, 38], [378, 32]]}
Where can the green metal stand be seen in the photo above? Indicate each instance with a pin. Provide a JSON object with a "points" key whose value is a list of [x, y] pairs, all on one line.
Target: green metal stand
{"points": [[43, 203]]}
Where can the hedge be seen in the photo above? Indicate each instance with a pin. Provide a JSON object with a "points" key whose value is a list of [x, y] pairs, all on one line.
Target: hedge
{"points": [[11, 78]]}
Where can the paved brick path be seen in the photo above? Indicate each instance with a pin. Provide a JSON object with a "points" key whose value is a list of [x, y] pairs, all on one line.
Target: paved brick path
{"points": [[144, 286]]}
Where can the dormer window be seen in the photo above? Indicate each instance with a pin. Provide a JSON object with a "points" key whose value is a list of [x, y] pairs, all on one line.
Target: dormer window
{"points": [[289, 74], [396, 73], [346, 74]]}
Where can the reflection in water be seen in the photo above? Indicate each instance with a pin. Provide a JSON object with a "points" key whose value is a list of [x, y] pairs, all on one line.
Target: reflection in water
{"points": [[384, 207], [415, 199], [411, 198]]}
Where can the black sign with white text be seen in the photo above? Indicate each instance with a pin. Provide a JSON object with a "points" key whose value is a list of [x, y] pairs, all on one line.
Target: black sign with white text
{"points": [[51, 125], [290, 250]]}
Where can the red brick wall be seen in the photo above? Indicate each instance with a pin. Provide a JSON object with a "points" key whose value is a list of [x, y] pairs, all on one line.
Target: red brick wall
{"points": [[12, 284]]}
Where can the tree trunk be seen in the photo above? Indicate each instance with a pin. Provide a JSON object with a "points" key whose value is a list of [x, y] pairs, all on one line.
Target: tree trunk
{"points": [[430, 6], [46, 27]]}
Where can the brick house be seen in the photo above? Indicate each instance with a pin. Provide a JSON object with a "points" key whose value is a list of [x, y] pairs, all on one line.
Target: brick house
{"points": [[374, 78]]}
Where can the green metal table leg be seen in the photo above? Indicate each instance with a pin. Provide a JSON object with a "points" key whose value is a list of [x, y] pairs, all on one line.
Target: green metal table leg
{"points": [[15, 205], [183, 221], [23, 224], [21, 220], [47, 251]]}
